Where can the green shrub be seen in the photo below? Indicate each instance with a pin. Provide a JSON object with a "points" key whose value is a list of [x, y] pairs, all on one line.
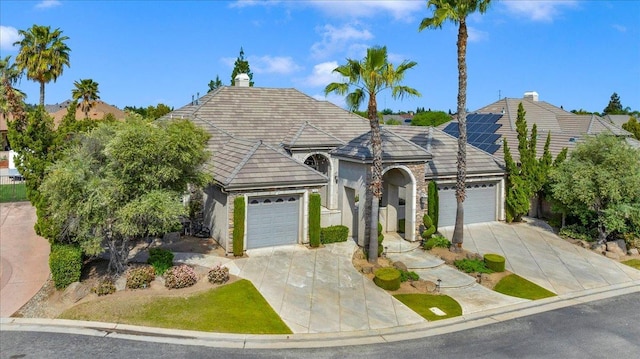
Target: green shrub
{"points": [[433, 203], [472, 266], [494, 262], [314, 220], [430, 229], [238, 226], [334, 234], [437, 241], [387, 278], [181, 276], [140, 277], [401, 224], [218, 275], [65, 263], [577, 231], [161, 260], [380, 239], [104, 287], [408, 275]]}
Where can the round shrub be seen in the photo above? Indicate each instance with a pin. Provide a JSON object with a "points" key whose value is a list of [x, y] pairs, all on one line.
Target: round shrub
{"points": [[218, 275], [104, 287], [495, 262], [161, 259], [65, 263], [140, 277], [181, 276], [387, 278]]}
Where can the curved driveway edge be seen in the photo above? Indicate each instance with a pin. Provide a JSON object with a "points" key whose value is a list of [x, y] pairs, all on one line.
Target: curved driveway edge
{"points": [[24, 257], [316, 340]]}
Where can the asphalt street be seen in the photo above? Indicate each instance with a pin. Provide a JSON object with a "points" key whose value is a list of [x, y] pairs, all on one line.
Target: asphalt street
{"points": [[600, 329]]}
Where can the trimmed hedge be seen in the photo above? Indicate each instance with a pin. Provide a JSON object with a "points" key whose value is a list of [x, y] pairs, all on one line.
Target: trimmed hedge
{"points": [[65, 263], [314, 220], [380, 239], [495, 262], [238, 226], [387, 278], [161, 259], [334, 234]]}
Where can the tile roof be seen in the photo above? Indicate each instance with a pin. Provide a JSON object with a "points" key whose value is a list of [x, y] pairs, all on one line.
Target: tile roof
{"points": [[444, 149], [394, 148], [308, 135]]}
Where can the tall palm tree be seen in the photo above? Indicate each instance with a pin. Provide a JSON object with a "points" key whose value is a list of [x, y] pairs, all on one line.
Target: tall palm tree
{"points": [[11, 74], [87, 91], [43, 54], [368, 78], [457, 12]]}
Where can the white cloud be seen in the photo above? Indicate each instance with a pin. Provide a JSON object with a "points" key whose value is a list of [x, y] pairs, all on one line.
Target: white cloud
{"points": [[335, 39], [273, 65], [248, 3], [399, 9], [322, 75], [619, 28], [8, 35], [538, 10], [476, 35], [45, 4]]}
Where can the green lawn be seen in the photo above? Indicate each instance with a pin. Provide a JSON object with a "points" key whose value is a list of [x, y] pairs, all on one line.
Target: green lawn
{"points": [[517, 286], [634, 263], [13, 192], [421, 304], [233, 308]]}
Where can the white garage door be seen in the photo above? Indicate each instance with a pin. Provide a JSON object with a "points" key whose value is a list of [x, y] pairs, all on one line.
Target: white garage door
{"points": [[273, 221], [479, 206]]}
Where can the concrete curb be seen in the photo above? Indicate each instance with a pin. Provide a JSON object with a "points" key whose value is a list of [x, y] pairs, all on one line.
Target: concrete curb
{"points": [[249, 341]]}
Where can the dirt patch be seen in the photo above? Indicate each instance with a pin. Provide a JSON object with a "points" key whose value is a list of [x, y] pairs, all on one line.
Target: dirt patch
{"points": [[50, 303]]}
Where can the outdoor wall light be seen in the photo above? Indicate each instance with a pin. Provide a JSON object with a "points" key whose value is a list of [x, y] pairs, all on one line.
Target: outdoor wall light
{"points": [[423, 200]]}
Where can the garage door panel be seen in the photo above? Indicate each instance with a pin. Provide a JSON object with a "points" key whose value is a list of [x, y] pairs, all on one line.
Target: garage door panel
{"points": [[479, 206], [272, 221]]}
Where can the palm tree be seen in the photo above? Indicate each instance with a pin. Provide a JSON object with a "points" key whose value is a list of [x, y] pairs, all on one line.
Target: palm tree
{"points": [[457, 12], [11, 74], [43, 54], [87, 91], [369, 77]]}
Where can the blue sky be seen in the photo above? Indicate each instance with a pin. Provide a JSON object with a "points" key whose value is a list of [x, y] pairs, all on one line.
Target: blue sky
{"points": [[573, 53]]}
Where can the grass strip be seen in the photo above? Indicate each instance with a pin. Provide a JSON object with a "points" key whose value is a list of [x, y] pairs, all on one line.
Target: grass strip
{"points": [[633, 263], [422, 304], [516, 286], [233, 308]]}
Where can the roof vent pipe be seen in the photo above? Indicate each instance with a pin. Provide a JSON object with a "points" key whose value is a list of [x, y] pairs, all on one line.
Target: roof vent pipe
{"points": [[241, 80]]}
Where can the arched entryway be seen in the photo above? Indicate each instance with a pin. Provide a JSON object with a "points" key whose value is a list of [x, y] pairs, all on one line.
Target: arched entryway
{"points": [[321, 164], [399, 200]]}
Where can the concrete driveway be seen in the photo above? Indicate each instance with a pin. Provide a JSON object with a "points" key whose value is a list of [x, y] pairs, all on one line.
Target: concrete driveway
{"points": [[24, 257], [539, 255]]}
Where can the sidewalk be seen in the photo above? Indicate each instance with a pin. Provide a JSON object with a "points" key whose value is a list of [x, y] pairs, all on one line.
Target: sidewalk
{"points": [[24, 257]]}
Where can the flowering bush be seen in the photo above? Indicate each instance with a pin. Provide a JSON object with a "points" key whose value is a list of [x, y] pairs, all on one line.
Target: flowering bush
{"points": [[104, 287], [180, 277], [218, 274], [140, 277]]}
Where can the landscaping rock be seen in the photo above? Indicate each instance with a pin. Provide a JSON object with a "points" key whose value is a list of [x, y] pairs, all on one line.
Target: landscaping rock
{"points": [[600, 248], [633, 252], [612, 255], [367, 269], [74, 292], [400, 266], [618, 247], [474, 256], [423, 286], [584, 244], [121, 283]]}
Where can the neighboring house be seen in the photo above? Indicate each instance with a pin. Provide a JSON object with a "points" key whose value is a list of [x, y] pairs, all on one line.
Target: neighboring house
{"points": [[273, 147], [489, 125]]}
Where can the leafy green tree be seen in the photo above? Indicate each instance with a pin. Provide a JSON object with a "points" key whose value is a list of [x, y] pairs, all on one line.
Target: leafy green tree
{"points": [[43, 54], [122, 182], [632, 126], [430, 118], [393, 122], [600, 184], [387, 111], [369, 77], [517, 190], [215, 84], [614, 107], [9, 72], [457, 12], [87, 91], [150, 112], [241, 66]]}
